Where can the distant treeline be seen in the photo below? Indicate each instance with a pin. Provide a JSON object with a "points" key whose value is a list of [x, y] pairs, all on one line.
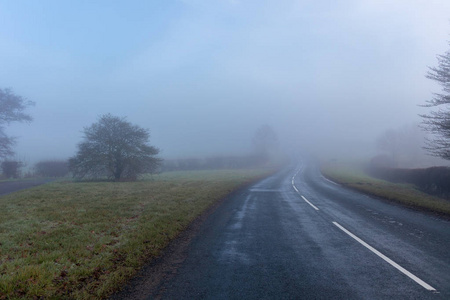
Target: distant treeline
{"points": [[434, 180], [210, 163], [52, 168], [60, 168], [46, 168]]}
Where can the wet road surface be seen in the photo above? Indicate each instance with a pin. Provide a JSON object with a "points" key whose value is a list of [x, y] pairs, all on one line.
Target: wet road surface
{"points": [[296, 235], [7, 187]]}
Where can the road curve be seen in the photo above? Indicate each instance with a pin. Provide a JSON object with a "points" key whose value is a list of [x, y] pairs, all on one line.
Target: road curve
{"points": [[297, 235]]}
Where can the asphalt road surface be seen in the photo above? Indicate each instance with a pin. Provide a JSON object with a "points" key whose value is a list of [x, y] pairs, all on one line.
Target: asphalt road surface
{"points": [[7, 187], [296, 235]]}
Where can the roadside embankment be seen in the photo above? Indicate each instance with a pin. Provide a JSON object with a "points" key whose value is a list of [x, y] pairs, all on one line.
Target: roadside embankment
{"points": [[352, 175], [84, 240]]}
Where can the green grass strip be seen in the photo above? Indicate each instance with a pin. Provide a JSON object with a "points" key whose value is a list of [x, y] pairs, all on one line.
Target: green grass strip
{"points": [[83, 240], [353, 176]]}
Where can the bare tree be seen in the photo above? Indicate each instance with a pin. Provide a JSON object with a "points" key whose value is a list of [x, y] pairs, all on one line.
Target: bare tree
{"points": [[114, 148], [12, 109], [438, 121], [11, 168]]}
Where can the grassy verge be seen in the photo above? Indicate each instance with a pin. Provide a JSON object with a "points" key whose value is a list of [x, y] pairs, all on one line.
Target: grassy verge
{"points": [[83, 240], [353, 176]]}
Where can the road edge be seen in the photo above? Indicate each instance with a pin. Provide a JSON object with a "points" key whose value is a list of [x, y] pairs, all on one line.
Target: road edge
{"points": [[148, 280], [417, 208]]}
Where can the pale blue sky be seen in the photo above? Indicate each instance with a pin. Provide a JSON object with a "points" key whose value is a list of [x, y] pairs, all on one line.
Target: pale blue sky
{"points": [[203, 75]]}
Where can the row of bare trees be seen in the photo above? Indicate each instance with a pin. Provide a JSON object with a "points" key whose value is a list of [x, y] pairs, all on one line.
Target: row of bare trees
{"points": [[118, 150], [112, 148]]}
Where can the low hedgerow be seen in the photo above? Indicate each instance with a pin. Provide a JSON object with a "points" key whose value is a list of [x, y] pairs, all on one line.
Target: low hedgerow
{"points": [[355, 176]]}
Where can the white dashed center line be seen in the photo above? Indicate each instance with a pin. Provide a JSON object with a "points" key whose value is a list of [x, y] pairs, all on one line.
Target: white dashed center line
{"points": [[306, 200]]}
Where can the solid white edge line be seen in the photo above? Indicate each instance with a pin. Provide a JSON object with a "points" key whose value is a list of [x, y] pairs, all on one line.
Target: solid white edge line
{"points": [[330, 181], [387, 259]]}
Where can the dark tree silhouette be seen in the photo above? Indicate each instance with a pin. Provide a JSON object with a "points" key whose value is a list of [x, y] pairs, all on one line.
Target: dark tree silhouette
{"points": [[11, 168], [438, 121], [52, 168], [12, 109], [116, 149]]}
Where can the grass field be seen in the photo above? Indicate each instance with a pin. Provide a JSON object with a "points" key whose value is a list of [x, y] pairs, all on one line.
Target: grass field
{"points": [[353, 176], [83, 240]]}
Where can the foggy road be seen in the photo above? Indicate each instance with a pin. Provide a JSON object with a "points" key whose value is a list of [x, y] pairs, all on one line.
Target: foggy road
{"points": [[297, 235], [7, 187]]}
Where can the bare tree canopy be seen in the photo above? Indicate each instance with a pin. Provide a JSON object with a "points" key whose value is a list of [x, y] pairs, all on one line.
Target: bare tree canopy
{"points": [[438, 121], [114, 148], [12, 109]]}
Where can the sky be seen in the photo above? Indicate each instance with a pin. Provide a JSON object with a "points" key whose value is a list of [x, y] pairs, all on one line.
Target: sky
{"points": [[203, 75]]}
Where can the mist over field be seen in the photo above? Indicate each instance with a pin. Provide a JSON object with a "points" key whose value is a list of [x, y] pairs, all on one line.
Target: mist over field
{"points": [[330, 77]]}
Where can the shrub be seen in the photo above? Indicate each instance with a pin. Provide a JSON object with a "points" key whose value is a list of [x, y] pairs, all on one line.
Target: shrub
{"points": [[52, 168], [11, 168], [434, 180]]}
